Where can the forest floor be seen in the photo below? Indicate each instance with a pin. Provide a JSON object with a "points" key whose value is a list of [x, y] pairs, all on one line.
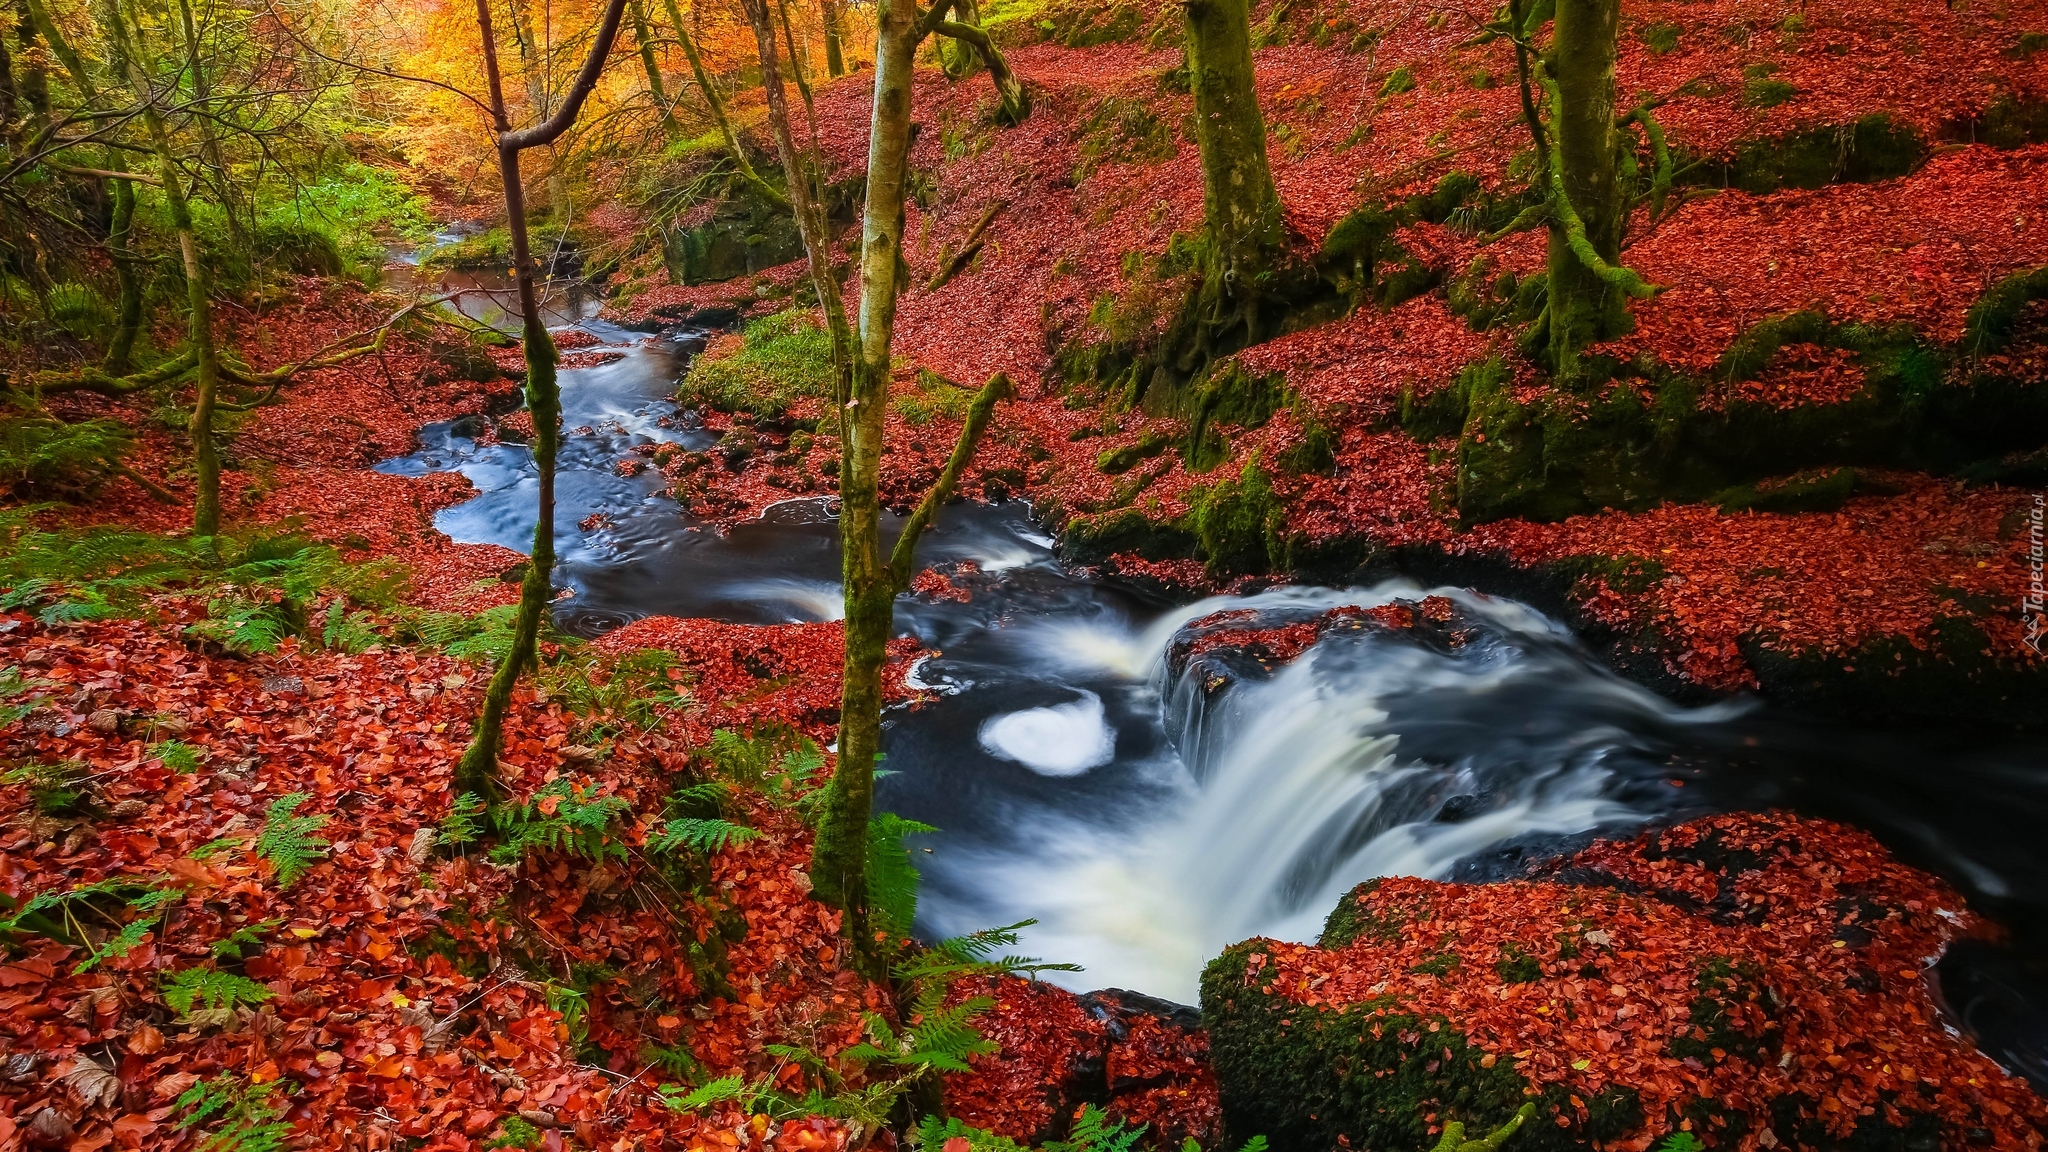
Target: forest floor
{"points": [[405, 992]]}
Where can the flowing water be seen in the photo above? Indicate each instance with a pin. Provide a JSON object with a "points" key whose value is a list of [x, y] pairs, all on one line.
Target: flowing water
{"points": [[1145, 823]]}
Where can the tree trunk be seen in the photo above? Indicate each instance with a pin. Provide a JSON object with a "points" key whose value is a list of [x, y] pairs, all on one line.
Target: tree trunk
{"points": [[1239, 204], [655, 88], [198, 288], [834, 17], [209, 139], [1584, 308], [478, 769], [1015, 102], [716, 103], [128, 310]]}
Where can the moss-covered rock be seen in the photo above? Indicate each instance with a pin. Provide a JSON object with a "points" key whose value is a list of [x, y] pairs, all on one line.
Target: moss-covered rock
{"points": [[1749, 979], [745, 234]]}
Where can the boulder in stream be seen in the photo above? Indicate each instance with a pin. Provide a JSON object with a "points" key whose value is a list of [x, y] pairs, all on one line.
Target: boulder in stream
{"points": [[1753, 980]]}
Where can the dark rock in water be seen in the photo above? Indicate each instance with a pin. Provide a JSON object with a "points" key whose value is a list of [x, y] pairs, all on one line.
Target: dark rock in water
{"points": [[1756, 980], [468, 427], [1241, 644]]}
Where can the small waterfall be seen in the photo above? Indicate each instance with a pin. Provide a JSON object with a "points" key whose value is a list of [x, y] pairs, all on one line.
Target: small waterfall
{"points": [[1371, 754]]}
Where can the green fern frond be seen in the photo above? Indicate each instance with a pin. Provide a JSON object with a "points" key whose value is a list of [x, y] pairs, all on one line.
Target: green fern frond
{"points": [[230, 947], [249, 1116], [346, 631], [287, 839], [561, 818], [704, 837], [719, 1091], [892, 878], [933, 1131], [461, 826], [243, 625], [176, 755], [1094, 1131], [205, 989]]}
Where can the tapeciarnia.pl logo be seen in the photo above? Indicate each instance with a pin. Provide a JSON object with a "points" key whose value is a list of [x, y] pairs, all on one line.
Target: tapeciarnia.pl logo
{"points": [[2035, 611]]}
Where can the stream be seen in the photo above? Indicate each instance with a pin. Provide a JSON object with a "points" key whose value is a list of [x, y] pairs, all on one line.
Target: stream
{"points": [[1144, 824]]}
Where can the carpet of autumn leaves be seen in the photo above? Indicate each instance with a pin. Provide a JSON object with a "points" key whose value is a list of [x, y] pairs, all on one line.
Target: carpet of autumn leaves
{"points": [[409, 989], [1746, 959], [1367, 105]]}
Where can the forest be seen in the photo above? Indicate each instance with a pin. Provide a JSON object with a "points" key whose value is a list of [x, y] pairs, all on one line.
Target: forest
{"points": [[1009, 575]]}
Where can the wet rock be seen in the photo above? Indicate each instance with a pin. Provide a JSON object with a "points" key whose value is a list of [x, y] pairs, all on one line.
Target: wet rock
{"points": [[1761, 979], [1224, 648]]}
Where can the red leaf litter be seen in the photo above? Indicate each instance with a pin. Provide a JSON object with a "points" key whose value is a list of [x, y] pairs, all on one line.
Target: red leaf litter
{"points": [[1059, 1050], [1819, 915]]}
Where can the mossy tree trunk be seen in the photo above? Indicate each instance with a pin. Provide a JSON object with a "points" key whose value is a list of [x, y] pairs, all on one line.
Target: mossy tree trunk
{"points": [[716, 104], [1584, 306], [834, 17], [1013, 102], [478, 770], [128, 308], [861, 356], [198, 284], [1240, 207], [643, 37]]}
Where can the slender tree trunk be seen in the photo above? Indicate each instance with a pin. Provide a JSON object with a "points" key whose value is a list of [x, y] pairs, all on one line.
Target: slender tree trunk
{"points": [[198, 286], [1239, 203], [1584, 308], [839, 856], [716, 103], [834, 18], [209, 137], [1015, 102], [478, 769], [669, 128], [128, 309]]}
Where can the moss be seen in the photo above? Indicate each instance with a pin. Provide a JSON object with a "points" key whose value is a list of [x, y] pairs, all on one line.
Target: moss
{"points": [[935, 397], [782, 358], [1825, 492], [1727, 990], [2010, 122], [299, 245], [1659, 36], [1517, 966], [1400, 80], [1310, 1077], [745, 234], [1116, 460], [1874, 147], [1350, 920], [1094, 538], [489, 249], [1122, 130], [1994, 320], [1237, 522]]}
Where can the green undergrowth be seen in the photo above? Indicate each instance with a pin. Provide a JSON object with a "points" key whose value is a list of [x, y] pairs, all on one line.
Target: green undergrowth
{"points": [[782, 358]]}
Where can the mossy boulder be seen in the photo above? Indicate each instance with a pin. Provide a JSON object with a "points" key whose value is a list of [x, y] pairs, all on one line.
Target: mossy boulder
{"points": [[1748, 979], [744, 234]]}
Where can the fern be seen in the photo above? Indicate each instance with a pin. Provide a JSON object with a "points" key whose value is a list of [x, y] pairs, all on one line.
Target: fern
{"points": [[248, 1117], [65, 916], [561, 818], [934, 1131], [461, 826], [939, 1037], [892, 878], [192, 990], [230, 947], [176, 755], [1094, 1131], [970, 955], [19, 694], [348, 631], [722, 1090], [1680, 1142], [287, 839], [55, 788], [244, 625], [674, 1059], [704, 837], [488, 634]]}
